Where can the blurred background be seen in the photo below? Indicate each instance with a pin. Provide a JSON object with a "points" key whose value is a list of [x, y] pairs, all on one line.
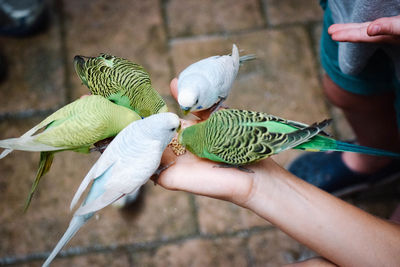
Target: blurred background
{"points": [[163, 228]]}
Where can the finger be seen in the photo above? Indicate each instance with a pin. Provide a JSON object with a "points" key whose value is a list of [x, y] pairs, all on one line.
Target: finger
{"points": [[203, 115], [187, 123], [354, 35], [382, 26], [361, 36], [346, 26], [198, 176], [174, 88]]}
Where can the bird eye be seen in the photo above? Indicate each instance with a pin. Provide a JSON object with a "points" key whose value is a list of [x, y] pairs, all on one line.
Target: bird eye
{"points": [[197, 101], [173, 129]]}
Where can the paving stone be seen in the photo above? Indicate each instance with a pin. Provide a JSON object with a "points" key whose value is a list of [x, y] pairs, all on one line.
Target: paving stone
{"points": [[24, 233], [274, 248], [380, 200], [216, 216], [291, 11], [282, 81], [129, 29], [117, 259], [343, 130], [229, 251], [186, 18], [160, 214], [35, 71], [316, 32]]}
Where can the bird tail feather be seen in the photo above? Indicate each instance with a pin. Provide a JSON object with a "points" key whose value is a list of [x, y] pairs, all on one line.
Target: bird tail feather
{"points": [[5, 152], [46, 159], [321, 143], [343, 146], [245, 58], [25, 143], [76, 223]]}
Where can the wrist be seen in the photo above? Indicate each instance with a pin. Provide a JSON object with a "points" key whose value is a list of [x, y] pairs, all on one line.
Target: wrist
{"points": [[260, 185]]}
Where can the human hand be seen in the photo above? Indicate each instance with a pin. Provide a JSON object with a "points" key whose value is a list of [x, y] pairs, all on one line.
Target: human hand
{"points": [[203, 177], [382, 30]]}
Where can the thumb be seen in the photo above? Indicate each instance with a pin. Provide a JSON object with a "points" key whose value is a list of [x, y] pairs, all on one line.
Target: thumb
{"points": [[385, 26], [174, 87]]}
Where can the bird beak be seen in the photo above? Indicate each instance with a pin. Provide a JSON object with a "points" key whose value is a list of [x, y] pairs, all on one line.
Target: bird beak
{"points": [[79, 63], [185, 110], [79, 60]]}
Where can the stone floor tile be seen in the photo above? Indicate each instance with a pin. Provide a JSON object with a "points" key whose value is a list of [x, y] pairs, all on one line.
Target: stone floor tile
{"points": [[282, 81], [187, 18], [291, 11], [316, 32], [216, 216], [35, 71], [129, 29], [380, 200], [229, 251], [117, 259], [160, 214], [24, 233], [343, 130], [274, 248]]}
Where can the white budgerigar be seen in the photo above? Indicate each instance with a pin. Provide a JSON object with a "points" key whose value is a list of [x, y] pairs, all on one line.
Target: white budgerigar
{"points": [[127, 163], [208, 81]]}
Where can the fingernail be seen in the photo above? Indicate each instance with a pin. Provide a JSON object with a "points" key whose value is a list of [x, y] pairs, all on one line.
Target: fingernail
{"points": [[375, 29]]}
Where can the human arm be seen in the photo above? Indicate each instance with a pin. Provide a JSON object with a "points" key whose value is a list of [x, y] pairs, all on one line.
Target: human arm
{"points": [[335, 229], [382, 30]]}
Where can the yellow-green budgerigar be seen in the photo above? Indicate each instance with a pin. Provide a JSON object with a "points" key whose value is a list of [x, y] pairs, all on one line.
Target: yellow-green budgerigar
{"points": [[127, 163], [238, 137], [123, 82], [76, 126]]}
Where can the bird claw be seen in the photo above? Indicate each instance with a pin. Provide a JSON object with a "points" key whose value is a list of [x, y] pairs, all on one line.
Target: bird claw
{"points": [[159, 170], [101, 145]]}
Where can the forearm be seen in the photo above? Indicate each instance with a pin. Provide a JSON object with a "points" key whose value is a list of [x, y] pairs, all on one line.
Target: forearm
{"points": [[335, 229]]}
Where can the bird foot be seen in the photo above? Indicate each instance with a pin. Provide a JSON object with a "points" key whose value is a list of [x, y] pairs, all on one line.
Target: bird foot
{"points": [[101, 145], [160, 170], [218, 105], [241, 168]]}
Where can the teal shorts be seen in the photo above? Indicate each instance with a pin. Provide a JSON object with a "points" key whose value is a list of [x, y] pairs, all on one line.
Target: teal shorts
{"points": [[377, 77]]}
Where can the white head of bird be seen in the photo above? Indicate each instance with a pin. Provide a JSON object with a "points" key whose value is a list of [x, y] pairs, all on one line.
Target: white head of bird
{"points": [[162, 126], [193, 94]]}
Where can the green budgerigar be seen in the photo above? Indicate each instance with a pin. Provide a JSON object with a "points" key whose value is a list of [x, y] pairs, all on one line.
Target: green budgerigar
{"points": [[123, 82], [238, 137], [76, 126]]}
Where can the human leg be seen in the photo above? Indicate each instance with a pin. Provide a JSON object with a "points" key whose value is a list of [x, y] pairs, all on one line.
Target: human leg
{"points": [[373, 119]]}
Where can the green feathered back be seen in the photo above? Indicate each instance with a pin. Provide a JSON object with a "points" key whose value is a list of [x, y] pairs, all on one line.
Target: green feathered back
{"points": [[84, 122], [240, 137], [123, 82]]}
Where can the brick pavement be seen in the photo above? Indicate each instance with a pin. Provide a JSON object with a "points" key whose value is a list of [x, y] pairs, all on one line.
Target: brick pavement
{"points": [[165, 228]]}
